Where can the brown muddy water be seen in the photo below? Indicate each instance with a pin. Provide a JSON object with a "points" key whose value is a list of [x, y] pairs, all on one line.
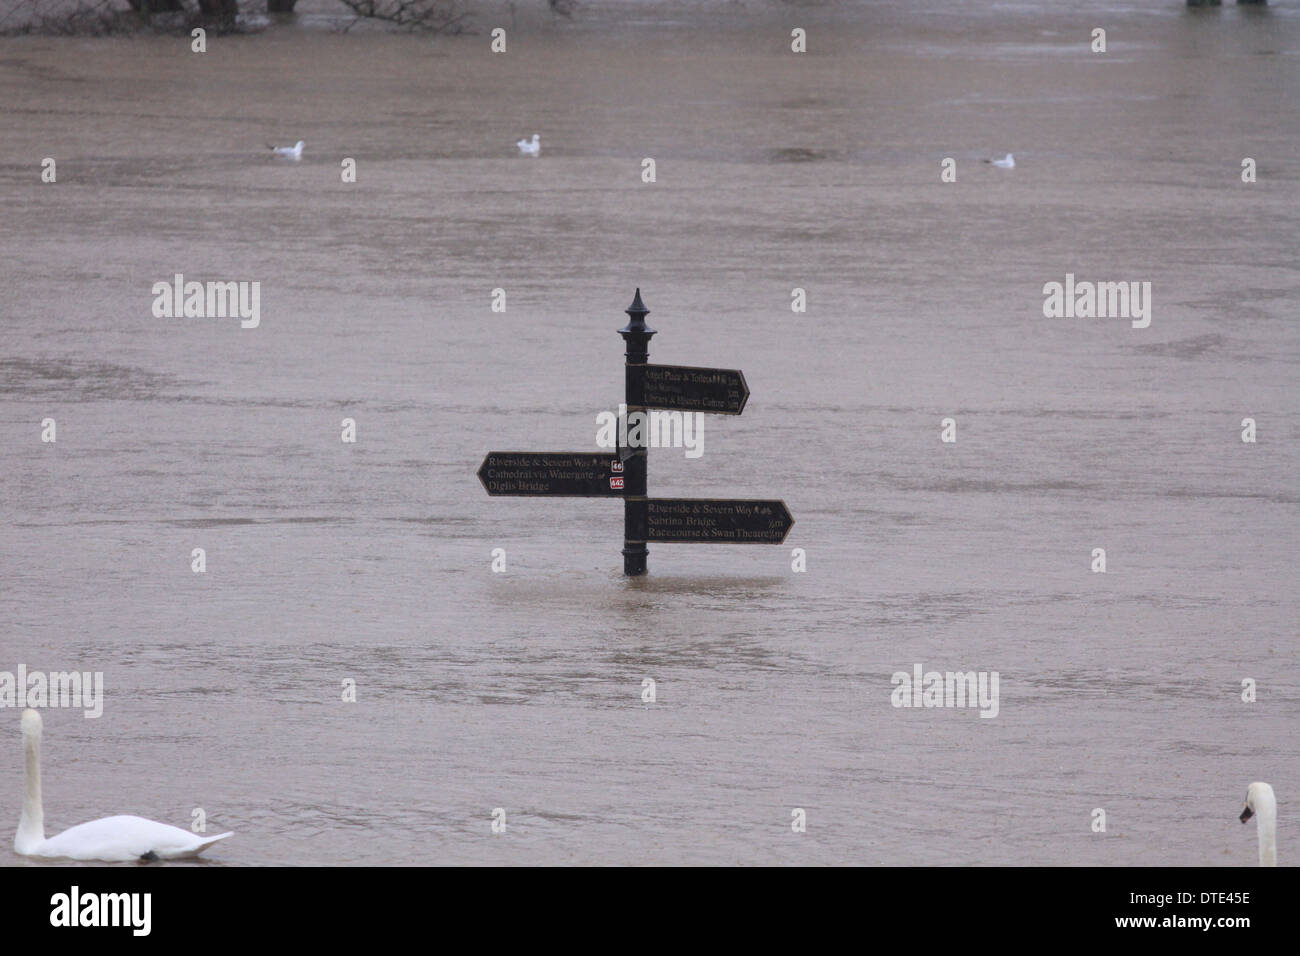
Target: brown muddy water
{"points": [[522, 690]]}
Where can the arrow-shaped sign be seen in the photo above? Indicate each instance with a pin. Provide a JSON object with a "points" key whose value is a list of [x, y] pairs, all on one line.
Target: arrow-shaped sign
{"points": [[684, 388], [717, 520], [547, 473]]}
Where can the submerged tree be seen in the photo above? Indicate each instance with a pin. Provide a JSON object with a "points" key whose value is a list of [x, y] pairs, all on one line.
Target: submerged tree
{"points": [[440, 16], [112, 16], [156, 6]]}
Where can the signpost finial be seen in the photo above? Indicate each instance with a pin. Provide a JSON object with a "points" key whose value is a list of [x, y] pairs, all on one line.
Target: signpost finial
{"points": [[637, 305], [636, 313]]}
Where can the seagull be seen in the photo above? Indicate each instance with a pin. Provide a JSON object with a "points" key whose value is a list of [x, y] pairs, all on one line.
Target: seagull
{"points": [[531, 147], [1008, 163], [293, 152]]}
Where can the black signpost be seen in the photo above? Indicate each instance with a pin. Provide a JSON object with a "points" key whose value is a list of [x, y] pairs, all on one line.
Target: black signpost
{"points": [[622, 473]]}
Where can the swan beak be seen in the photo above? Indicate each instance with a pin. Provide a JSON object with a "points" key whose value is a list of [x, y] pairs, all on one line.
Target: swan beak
{"points": [[1247, 814]]}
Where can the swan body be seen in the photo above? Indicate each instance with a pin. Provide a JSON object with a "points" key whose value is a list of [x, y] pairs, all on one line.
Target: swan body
{"points": [[1261, 803], [110, 840], [531, 147], [293, 152], [1006, 162], [122, 839]]}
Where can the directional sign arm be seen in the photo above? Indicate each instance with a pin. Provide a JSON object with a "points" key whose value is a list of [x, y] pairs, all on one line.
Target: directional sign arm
{"points": [[718, 520], [552, 474], [686, 388]]}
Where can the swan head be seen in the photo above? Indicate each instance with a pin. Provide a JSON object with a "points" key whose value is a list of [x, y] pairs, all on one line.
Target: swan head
{"points": [[298, 145], [1259, 798]]}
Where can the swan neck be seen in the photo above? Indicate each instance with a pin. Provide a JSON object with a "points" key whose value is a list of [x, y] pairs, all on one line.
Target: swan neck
{"points": [[1266, 812], [31, 825]]}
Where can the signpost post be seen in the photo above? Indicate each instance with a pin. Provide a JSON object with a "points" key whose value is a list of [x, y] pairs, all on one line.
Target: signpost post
{"points": [[622, 473], [637, 336]]}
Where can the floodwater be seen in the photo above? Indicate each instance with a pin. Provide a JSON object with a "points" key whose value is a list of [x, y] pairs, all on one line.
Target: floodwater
{"points": [[372, 562]]}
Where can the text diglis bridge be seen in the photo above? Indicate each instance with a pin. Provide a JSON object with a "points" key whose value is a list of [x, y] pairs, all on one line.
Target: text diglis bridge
{"points": [[622, 473]]}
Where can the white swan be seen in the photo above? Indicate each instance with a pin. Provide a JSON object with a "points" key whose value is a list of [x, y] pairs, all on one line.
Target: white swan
{"points": [[293, 152], [112, 839], [1261, 803], [530, 148], [1007, 162]]}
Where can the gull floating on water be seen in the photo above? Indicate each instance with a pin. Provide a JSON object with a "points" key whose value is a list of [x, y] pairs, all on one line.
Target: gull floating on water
{"points": [[293, 152], [531, 147], [1009, 162]]}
